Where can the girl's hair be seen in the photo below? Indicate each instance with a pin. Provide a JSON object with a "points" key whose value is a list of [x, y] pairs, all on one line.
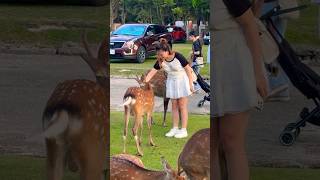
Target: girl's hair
{"points": [[164, 46]]}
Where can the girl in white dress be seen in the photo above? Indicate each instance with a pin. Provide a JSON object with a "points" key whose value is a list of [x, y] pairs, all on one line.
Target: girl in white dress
{"points": [[179, 85]]}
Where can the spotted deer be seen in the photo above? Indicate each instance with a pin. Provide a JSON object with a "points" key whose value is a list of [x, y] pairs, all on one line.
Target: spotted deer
{"points": [[194, 159], [158, 83], [75, 121], [134, 159], [138, 101], [126, 170]]}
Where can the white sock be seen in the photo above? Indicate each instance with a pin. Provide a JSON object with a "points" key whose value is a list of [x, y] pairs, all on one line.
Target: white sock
{"points": [[184, 129], [175, 128]]}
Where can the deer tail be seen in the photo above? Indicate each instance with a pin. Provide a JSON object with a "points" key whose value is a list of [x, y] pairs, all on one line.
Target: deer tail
{"points": [[128, 101]]}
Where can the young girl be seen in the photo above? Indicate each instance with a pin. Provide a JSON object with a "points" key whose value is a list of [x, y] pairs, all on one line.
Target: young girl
{"points": [[179, 85]]}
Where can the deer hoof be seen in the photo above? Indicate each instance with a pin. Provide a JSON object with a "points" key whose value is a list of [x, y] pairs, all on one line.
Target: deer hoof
{"points": [[140, 154]]}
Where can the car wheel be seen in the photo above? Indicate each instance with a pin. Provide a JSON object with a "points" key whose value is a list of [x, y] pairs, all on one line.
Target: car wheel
{"points": [[141, 54]]}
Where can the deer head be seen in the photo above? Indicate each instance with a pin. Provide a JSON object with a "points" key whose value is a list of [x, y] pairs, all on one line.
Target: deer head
{"points": [[100, 64], [170, 173]]}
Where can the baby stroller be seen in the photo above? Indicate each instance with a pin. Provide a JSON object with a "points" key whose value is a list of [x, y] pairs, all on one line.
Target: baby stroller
{"points": [[301, 76], [204, 86]]}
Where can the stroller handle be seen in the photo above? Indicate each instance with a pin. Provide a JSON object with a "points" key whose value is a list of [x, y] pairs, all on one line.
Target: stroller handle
{"points": [[276, 11]]}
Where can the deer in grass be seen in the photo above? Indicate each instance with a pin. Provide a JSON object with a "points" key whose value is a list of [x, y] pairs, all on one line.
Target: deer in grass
{"points": [[158, 83], [126, 170], [134, 159], [75, 121], [194, 159], [138, 101]]}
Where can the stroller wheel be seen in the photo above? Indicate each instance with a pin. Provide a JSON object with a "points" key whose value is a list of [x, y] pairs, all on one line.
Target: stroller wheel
{"points": [[287, 138]]}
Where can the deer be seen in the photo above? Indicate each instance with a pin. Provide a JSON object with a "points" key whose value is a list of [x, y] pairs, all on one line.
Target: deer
{"points": [[134, 159], [126, 170], [76, 121], [138, 101], [158, 82], [194, 159]]}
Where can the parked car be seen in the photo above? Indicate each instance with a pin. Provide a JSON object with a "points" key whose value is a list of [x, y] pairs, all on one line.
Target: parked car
{"points": [[178, 33], [206, 38], [136, 41]]}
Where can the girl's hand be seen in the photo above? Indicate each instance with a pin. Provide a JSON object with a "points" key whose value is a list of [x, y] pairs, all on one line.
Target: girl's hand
{"points": [[192, 88], [261, 83]]}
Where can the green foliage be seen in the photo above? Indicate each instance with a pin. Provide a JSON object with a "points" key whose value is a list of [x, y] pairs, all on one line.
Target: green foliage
{"points": [[161, 11]]}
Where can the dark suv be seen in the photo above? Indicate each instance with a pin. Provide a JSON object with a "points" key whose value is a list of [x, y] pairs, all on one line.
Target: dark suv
{"points": [[136, 41]]}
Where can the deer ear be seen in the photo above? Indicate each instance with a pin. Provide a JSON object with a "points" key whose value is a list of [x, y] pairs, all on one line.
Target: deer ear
{"points": [[166, 166]]}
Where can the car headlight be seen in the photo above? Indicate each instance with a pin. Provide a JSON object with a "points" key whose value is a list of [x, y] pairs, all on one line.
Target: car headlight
{"points": [[130, 44]]}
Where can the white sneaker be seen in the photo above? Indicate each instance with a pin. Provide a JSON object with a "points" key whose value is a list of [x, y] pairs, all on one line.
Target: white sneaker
{"points": [[182, 133], [172, 132]]}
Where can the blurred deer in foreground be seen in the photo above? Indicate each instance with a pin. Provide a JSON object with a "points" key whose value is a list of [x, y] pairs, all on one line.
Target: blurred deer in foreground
{"points": [[138, 101], [126, 170], [134, 159], [75, 121], [194, 159], [158, 82]]}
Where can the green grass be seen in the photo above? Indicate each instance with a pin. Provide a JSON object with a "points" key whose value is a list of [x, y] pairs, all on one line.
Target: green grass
{"points": [[117, 66], [33, 168], [304, 30], [170, 148], [16, 21], [26, 168]]}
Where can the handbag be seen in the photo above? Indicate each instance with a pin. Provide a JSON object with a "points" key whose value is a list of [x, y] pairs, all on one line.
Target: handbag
{"points": [[199, 61], [270, 49]]}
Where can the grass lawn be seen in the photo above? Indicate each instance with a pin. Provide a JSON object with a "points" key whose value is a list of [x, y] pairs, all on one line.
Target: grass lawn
{"points": [[126, 68], [304, 30], [32, 168], [63, 23], [170, 148]]}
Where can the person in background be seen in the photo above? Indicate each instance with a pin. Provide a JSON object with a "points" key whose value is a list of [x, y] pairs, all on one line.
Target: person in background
{"points": [[196, 52]]}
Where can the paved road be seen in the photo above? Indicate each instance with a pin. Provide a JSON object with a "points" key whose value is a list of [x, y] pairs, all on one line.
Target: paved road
{"points": [[26, 82]]}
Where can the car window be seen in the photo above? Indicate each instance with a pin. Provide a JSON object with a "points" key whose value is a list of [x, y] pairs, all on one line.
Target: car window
{"points": [[160, 29], [131, 30], [152, 29]]}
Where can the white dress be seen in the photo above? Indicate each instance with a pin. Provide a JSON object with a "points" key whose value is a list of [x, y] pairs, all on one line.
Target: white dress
{"points": [[233, 79], [177, 84]]}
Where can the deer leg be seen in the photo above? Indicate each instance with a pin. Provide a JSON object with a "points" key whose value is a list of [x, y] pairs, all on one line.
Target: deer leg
{"points": [[126, 122], [141, 131], [149, 121], [165, 107], [135, 129], [93, 157], [55, 159]]}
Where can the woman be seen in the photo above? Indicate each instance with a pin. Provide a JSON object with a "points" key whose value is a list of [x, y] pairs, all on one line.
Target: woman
{"points": [[237, 80], [179, 85]]}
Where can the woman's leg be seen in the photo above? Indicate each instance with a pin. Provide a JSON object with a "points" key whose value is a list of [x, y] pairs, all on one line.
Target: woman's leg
{"points": [[183, 107], [215, 159], [175, 113], [232, 132]]}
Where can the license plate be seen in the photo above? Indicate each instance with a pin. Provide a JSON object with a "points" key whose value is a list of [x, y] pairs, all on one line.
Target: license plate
{"points": [[112, 52]]}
